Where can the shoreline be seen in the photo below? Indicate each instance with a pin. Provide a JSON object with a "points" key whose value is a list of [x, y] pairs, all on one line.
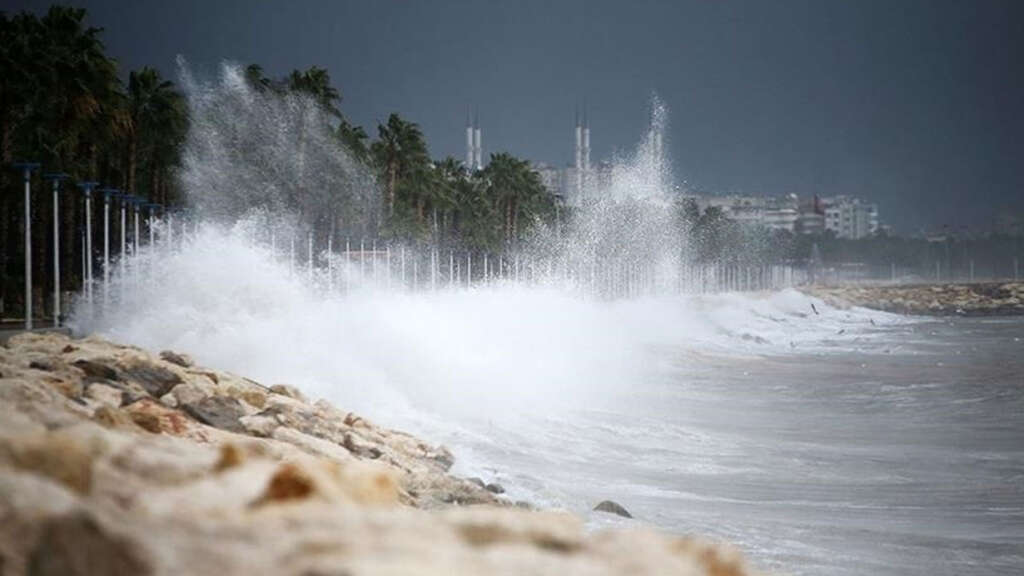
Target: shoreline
{"points": [[928, 299], [117, 461]]}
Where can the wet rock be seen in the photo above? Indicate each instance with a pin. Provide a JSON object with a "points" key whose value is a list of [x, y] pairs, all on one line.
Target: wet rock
{"points": [[358, 446], [218, 411], [612, 508], [101, 369], [442, 456], [44, 364], [183, 360], [155, 417], [110, 417], [76, 545], [289, 391], [130, 391], [495, 488], [154, 379], [147, 421], [477, 482], [188, 393], [250, 395]]}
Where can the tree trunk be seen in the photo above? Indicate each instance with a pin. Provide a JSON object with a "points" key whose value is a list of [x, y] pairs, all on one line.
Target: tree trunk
{"points": [[508, 222], [133, 160], [154, 185], [515, 219], [7, 213]]}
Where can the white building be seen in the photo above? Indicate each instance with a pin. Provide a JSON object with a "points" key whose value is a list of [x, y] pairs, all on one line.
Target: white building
{"points": [[775, 213], [850, 218]]}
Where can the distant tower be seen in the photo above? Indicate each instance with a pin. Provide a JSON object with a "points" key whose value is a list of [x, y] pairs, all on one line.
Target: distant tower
{"points": [[578, 158], [478, 163], [578, 149], [586, 140], [470, 150]]}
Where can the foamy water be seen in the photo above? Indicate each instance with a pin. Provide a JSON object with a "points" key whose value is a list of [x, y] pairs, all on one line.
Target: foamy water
{"points": [[820, 440]]}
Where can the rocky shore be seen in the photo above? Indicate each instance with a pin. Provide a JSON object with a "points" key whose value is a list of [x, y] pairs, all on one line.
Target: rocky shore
{"points": [[116, 461], [975, 299]]}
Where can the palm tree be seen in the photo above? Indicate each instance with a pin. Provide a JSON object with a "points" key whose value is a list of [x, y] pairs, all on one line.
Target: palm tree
{"points": [[316, 82], [354, 138], [157, 121], [399, 152], [257, 80], [517, 193]]}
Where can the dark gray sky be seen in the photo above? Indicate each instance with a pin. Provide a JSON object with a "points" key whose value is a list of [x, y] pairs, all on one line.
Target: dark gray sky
{"points": [[918, 106]]}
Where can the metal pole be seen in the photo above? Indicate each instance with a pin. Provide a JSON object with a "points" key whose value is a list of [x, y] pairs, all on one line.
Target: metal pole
{"points": [[362, 258], [56, 253], [124, 199], [401, 257], [485, 267], [451, 269], [135, 225], [135, 232], [106, 246], [469, 269], [374, 265], [28, 249], [26, 170], [88, 243], [56, 178]]}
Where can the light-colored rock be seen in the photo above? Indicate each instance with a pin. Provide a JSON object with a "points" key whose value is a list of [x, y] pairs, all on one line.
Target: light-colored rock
{"points": [[105, 395], [183, 360], [187, 477]]}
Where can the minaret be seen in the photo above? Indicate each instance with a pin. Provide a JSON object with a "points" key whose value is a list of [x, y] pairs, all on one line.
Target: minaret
{"points": [[470, 150], [478, 163]]}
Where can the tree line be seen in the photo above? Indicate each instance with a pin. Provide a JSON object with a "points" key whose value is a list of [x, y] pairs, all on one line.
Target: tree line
{"points": [[65, 105]]}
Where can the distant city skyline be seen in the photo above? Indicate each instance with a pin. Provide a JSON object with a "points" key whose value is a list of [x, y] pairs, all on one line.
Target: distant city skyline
{"points": [[914, 106]]}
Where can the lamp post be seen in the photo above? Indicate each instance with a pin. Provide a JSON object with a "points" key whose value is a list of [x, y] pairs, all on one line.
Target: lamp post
{"points": [[26, 171], [56, 178], [137, 203], [107, 194], [152, 207], [87, 192], [126, 199]]}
